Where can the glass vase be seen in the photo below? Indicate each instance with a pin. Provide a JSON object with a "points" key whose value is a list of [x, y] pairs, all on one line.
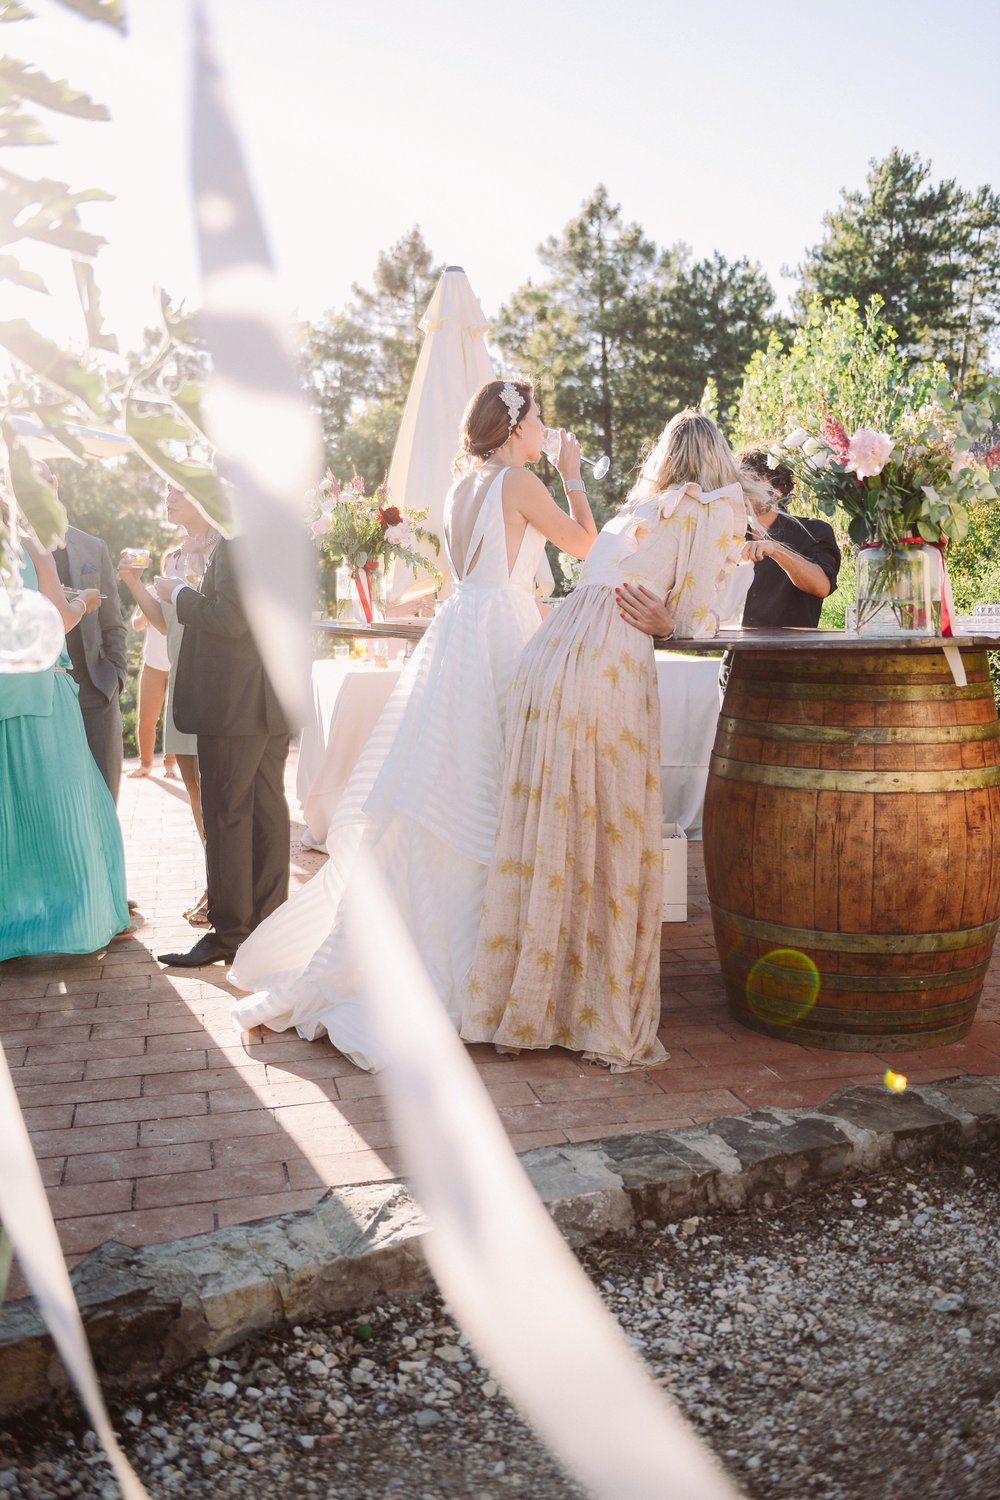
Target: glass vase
{"points": [[380, 645], [376, 580], [899, 589]]}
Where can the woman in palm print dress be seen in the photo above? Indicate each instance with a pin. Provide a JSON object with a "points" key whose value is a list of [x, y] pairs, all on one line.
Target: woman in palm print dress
{"points": [[569, 946]]}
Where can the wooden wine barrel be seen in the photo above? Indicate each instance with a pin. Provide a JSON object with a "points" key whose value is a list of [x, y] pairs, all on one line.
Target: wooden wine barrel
{"points": [[852, 844]]}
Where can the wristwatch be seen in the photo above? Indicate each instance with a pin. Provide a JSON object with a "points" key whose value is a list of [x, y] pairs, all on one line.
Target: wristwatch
{"points": [[574, 484]]}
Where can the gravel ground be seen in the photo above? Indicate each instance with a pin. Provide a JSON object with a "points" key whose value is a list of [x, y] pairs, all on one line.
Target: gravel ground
{"points": [[846, 1347]]}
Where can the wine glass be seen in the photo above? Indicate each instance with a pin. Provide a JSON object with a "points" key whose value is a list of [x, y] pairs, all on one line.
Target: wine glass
{"points": [[551, 440], [194, 569]]}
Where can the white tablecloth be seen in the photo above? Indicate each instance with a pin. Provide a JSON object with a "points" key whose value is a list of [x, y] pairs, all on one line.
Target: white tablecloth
{"points": [[347, 698], [689, 711]]}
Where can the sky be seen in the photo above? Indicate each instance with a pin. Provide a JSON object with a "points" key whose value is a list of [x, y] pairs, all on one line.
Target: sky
{"points": [[727, 125]]}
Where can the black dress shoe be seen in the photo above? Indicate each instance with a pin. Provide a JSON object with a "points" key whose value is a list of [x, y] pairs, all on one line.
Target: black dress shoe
{"points": [[207, 950]]}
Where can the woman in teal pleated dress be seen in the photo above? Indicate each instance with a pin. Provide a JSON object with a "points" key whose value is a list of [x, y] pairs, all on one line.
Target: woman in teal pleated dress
{"points": [[62, 864]]}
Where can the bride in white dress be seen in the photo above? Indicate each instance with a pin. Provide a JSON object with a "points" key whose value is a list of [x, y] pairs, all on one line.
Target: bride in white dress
{"points": [[425, 794]]}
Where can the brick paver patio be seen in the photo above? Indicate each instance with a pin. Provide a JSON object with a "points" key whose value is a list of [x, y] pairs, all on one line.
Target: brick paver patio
{"points": [[154, 1118]]}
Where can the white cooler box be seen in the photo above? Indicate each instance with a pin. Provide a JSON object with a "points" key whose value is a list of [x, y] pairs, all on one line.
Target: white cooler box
{"points": [[675, 873]]}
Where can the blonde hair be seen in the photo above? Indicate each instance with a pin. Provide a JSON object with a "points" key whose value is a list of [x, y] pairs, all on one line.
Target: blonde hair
{"points": [[689, 450], [692, 450]]}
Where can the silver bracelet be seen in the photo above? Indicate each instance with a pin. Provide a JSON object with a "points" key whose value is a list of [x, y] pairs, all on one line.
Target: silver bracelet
{"points": [[569, 485]]}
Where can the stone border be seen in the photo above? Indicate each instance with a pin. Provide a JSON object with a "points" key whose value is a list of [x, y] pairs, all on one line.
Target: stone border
{"points": [[151, 1310]]}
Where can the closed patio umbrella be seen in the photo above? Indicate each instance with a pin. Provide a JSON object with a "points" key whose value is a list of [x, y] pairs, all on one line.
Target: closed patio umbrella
{"points": [[452, 365]]}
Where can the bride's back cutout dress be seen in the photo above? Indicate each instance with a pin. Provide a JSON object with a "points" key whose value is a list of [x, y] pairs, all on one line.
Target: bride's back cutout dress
{"points": [[423, 800]]}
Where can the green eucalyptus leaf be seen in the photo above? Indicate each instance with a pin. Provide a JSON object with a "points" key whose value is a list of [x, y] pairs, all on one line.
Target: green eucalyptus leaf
{"points": [[154, 426], [62, 237], [49, 192], [188, 398], [12, 270], [182, 327], [197, 480], [90, 301], [47, 360], [18, 128], [20, 80], [38, 500], [46, 210], [110, 11]]}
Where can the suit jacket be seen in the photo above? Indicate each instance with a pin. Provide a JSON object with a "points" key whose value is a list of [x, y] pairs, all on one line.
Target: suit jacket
{"points": [[102, 635], [220, 686]]}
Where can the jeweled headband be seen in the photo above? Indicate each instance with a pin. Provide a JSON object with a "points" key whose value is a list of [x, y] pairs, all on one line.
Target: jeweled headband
{"points": [[513, 400]]}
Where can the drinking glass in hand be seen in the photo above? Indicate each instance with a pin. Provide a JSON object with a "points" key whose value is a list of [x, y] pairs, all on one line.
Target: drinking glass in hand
{"points": [[552, 442]]}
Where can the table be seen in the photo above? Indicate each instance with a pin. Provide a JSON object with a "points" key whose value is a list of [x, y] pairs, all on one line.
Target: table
{"points": [[852, 835], [347, 698], [689, 712]]}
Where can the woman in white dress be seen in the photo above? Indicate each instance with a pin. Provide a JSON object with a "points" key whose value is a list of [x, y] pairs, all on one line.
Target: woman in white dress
{"points": [[425, 793]]}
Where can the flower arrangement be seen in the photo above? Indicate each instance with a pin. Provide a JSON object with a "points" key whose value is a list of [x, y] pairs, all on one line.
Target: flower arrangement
{"points": [[365, 532], [916, 482], [904, 493]]}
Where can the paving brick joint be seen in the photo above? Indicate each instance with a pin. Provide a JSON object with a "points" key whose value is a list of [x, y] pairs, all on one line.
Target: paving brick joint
{"points": [[207, 1185]]}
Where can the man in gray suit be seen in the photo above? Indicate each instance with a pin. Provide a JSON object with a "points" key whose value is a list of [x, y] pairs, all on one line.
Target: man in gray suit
{"points": [[97, 646]]}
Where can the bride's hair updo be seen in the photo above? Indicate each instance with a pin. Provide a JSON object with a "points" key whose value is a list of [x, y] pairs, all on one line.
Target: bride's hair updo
{"points": [[486, 425]]}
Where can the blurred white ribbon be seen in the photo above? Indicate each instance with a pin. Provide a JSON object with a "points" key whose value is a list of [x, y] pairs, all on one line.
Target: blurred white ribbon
{"points": [[515, 1287], [27, 1220], [268, 440]]}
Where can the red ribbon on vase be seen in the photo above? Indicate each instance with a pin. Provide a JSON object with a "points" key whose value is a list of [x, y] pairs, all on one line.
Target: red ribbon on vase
{"points": [[363, 584], [947, 601]]}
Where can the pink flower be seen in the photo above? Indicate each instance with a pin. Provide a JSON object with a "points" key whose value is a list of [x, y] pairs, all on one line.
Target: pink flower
{"points": [[400, 536], [321, 525], [991, 459], [834, 434], [358, 485], [868, 452], [331, 485]]}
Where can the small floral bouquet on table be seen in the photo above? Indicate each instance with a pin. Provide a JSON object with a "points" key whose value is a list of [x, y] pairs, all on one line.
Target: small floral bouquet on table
{"points": [[905, 494], [366, 533]]}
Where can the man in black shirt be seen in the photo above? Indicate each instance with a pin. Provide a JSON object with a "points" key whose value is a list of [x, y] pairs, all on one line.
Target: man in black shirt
{"points": [[795, 564]]}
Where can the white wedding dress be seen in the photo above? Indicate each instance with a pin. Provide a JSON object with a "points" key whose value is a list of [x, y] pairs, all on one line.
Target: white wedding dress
{"points": [[423, 799]]}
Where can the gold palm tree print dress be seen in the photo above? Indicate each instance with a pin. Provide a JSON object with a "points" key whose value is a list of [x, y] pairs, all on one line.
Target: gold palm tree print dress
{"points": [[568, 952]]}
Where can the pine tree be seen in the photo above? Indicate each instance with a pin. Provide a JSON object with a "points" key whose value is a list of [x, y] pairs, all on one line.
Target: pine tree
{"points": [[709, 320], [583, 334], [930, 251], [359, 362], [622, 333]]}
